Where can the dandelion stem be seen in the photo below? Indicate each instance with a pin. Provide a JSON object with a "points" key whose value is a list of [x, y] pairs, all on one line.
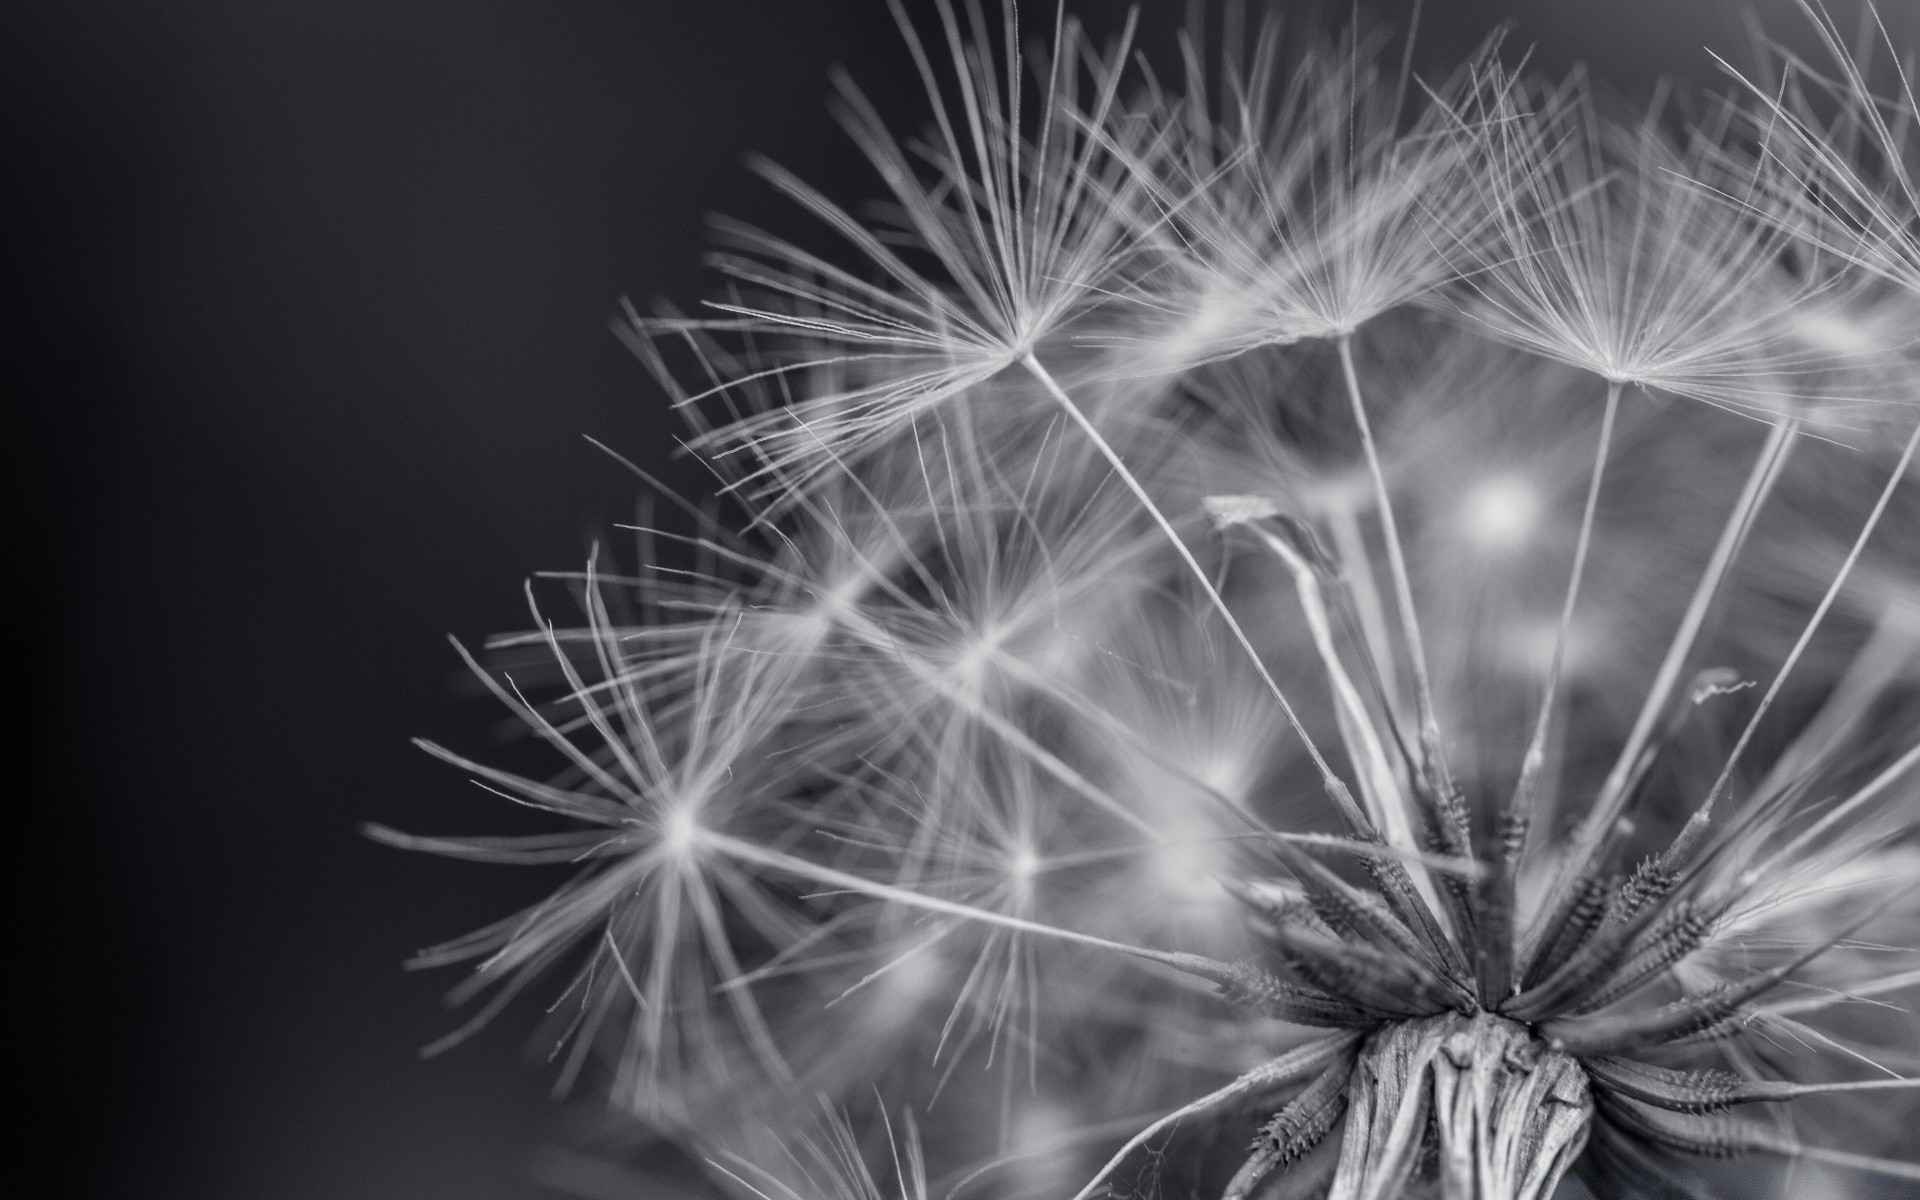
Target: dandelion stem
{"points": [[794, 865], [1352, 546], [1497, 950], [1698, 821], [1431, 753], [1760, 481], [1613, 792], [1009, 732], [1378, 784], [1335, 788], [1523, 795], [1378, 787]]}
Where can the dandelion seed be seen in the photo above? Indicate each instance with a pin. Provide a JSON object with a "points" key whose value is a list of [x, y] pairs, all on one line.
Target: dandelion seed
{"points": [[1238, 624], [1852, 185], [1025, 227], [1613, 258]]}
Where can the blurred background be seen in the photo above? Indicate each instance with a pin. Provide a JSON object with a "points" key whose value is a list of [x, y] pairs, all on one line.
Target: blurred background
{"points": [[313, 303]]}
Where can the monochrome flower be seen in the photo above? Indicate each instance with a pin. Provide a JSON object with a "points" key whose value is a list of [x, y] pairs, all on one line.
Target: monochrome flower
{"points": [[1613, 257], [1014, 226], [1374, 618], [1306, 206], [1850, 183]]}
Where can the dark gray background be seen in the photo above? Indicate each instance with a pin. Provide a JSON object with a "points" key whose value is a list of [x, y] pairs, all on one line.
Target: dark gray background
{"points": [[314, 303]]}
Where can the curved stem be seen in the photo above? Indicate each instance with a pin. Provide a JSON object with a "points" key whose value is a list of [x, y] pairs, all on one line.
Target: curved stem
{"points": [[1378, 783], [1379, 789], [1351, 545], [1397, 564]]}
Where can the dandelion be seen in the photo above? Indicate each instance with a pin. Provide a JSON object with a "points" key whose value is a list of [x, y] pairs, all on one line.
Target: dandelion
{"points": [[1023, 225], [651, 908], [1850, 185], [1612, 257], [1307, 207], [1116, 752]]}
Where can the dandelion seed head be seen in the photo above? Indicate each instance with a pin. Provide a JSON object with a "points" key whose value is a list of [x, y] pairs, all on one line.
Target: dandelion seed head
{"points": [[1286, 595]]}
